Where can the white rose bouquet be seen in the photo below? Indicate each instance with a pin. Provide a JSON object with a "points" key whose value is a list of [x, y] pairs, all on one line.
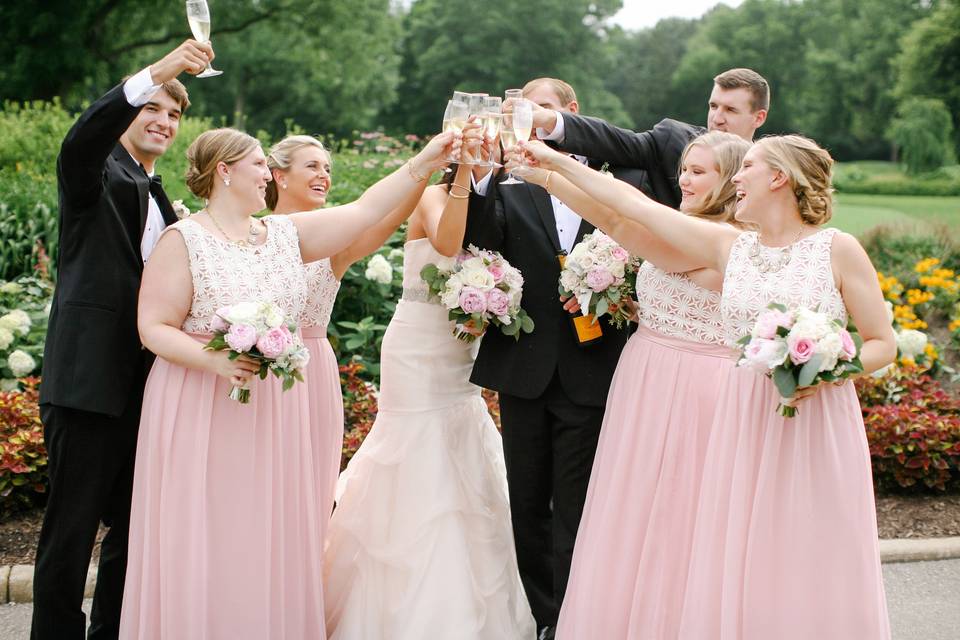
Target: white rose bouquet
{"points": [[800, 348], [479, 288], [259, 330], [601, 275]]}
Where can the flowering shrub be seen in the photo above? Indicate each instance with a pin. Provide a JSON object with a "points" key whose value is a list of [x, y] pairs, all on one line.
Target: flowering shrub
{"points": [[359, 409], [24, 306], [23, 458]]}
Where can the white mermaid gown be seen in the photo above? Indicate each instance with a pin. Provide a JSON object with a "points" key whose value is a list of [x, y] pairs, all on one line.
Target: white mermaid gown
{"points": [[420, 543]]}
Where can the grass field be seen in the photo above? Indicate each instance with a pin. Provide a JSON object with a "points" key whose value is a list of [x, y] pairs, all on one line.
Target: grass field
{"points": [[857, 213]]}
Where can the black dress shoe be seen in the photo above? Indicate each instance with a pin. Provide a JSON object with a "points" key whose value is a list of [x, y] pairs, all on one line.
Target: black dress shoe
{"points": [[547, 633]]}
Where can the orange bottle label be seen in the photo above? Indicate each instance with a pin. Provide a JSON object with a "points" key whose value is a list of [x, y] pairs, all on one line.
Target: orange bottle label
{"points": [[588, 329]]}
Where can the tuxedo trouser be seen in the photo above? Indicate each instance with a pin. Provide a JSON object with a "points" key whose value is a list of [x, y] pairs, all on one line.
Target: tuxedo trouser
{"points": [[549, 444], [91, 458]]}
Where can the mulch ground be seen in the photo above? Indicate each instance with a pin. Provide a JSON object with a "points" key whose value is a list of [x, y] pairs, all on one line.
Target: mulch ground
{"points": [[897, 517]]}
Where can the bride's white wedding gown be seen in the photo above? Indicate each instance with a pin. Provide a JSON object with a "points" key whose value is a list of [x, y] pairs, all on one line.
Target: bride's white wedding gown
{"points": [[420, 543]]}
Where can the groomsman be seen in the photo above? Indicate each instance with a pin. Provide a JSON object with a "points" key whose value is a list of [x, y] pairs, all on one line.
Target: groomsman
{"points": [[112, 211], [552, 386], [738, 104]]}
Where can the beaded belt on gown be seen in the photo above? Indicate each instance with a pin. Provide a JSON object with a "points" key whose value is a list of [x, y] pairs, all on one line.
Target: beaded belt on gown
{"points": [[416, 294]]}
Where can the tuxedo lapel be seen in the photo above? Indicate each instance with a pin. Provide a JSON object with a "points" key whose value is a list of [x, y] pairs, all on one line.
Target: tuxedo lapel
{"points": [[585, 228], [544, 205], [136, 174]]}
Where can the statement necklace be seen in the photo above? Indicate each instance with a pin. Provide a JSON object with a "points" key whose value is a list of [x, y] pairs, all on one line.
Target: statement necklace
{"points": [[771, 264], [252, 232]]}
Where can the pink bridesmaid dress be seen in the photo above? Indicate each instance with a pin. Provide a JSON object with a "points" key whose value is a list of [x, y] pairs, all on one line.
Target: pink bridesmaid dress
{"points": [[323, 379], [227, 512], [629, 569], [785, 544]]}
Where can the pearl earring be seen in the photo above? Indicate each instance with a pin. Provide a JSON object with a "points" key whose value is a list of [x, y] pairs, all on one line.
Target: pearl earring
{"points": [[226, 182], [284, 185]]}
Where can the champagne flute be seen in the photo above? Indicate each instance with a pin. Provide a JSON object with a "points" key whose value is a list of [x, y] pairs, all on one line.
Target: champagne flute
{"points": [[492, 118], [521, 125], [508, 139], [198, 15], [455, 119]]}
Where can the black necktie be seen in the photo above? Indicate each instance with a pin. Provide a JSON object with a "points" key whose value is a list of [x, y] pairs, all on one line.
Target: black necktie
{"points": [[166, 209]]}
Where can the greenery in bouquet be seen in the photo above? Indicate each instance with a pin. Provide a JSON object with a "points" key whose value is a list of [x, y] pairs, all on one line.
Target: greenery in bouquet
{"points": [[602, 276]]}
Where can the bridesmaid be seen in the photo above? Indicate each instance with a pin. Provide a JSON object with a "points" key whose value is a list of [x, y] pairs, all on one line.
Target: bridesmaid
{"points": [[300, 166], [226, 512], [628, 581], [785, 542]]}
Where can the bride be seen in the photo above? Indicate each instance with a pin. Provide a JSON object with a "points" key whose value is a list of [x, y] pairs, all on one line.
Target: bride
{"points": [[420, 544]]}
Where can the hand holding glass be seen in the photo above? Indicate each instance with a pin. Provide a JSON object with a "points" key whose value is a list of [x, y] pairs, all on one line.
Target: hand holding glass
{"points": [[198, 15]]}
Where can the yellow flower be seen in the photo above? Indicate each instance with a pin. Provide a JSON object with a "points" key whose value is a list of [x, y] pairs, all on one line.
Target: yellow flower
{"points": [[908, 363], [925, 265], [931, 352], [916, 296], [955, 324]]}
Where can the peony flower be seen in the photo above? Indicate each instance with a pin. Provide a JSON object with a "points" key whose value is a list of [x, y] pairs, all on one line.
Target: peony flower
{"points": [[274, 342], [848, 346], [801, 349], [450, 297], [497, 272], [241, 337], [472, 300], [243, 313], [272, 315], [811, 324], [498, 302], [830, 347], [17, 321], [599, 279], [21, 363], [620, 254], [219, 323], [379, 270], [763, 355], [911, 343], [6, 338]]}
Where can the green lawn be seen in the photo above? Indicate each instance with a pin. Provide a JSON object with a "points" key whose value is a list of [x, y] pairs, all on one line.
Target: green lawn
{"points": [[857, 213]]}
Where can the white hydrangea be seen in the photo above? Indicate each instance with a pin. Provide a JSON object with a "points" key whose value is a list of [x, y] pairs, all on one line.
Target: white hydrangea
{"points": [[395, 254], [911, 343], [10, 287], [6, 338], [17, 321], [379, 270], [21, 363]]}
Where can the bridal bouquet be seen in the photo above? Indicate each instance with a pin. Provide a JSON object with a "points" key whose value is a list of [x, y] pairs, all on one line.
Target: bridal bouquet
{"points": [[479, 288], [799, 348], [601, 275], [259, 330]]}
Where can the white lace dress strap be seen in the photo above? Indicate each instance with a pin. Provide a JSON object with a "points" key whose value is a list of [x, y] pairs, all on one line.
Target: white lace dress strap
{"points": [[805, 280], [225, 273], [672, 304], [322, 288]]}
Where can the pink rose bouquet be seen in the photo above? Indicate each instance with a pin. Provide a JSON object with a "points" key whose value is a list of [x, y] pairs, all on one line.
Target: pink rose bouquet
{"points": [[601, 275], [479, 288], [259, 330], [800, 348]]}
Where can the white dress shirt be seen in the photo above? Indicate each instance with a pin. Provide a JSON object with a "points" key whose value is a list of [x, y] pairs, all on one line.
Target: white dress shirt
{"points": [[138, 91]]}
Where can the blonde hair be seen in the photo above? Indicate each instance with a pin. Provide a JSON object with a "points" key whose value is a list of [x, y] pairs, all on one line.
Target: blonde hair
{"points": [[728, 152], [809, 168], [281, 157], [210, 149], [750, 80], [564, 91]]}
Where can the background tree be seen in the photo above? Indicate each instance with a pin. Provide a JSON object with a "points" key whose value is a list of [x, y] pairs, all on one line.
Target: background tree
{"points": [[923, 130]]}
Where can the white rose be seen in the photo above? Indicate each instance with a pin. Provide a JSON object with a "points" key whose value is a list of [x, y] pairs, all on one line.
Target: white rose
{"points": [[379, 270], [243, 313], [513, 278], [6, 338], [830, 347], [17, 321], [450, 298], [911, 343], [479, 278], [10, 287], [569, 280], [21, 363], [810, 324], [272, 315]]}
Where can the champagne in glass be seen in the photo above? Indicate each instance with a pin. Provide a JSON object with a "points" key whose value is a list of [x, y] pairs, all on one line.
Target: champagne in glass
{"points": [[491, 119], [455, 119], [509, 140], [198, 16]]}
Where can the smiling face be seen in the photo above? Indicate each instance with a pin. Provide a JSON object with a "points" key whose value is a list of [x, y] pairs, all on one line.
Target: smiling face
{"points": [[755, 181], [731, 110], [699, 177], [306, 182], [248, 179], [153, 131]]}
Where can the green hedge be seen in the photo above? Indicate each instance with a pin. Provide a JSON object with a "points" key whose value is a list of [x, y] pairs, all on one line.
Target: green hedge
{"points": [[888, 179]]}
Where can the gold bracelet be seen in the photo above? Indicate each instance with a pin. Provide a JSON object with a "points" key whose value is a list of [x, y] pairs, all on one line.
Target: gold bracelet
{"points": [[460, 186], [546, 184], [450, 194], [414, 175]]}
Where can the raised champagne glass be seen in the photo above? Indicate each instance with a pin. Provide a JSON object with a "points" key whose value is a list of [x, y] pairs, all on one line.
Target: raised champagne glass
{"points": [[198, 15], [455, 119], [520, 125], [491, 119]]}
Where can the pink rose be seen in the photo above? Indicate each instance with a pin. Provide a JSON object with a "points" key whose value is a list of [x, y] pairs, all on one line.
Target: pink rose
{"points": [[472, 300], [217, 323], [599, 279], [498, 303], [497, 272], [619, 253], [241, 337], [274, 342], [848, 345], [801, 349]]}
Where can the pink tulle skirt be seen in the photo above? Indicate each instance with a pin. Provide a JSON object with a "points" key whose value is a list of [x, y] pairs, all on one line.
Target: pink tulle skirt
{"points": [[630, 562], [785, 544], [228, 512]]}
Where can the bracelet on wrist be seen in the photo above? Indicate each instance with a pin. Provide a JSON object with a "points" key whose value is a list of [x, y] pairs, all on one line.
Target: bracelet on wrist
{"points": [[451, 194], [546, 184], [460, 186], [413, 174]]}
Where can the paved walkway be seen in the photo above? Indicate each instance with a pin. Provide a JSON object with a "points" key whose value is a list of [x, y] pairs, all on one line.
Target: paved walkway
{"points": [[924, 601]]}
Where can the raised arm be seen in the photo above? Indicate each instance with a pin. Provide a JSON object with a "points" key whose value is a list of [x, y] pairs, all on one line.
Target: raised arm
{"points": [[701, 244], [443, 214], [326, 232], [374, 237]]}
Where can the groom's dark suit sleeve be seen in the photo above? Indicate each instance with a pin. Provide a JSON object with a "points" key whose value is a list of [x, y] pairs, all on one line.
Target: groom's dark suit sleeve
{"points": [[485, 219]]}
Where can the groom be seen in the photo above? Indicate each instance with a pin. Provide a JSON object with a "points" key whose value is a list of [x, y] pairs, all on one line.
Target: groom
{"points": [[112, 211], [552, 388]]}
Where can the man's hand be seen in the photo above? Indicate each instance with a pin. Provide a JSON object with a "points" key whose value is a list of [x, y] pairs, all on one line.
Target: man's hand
{"points": [[543, 118], [191, 56]]}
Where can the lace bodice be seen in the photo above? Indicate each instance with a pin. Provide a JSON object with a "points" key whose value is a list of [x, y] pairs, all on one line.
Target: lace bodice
{"points": [[672, 304], [805, 281], [322, 288], [225, 273]]}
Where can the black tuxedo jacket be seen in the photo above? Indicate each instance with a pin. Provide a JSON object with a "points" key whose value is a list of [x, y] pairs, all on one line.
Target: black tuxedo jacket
{"points": [[93, 355], [657, 151], [518, 221]]}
